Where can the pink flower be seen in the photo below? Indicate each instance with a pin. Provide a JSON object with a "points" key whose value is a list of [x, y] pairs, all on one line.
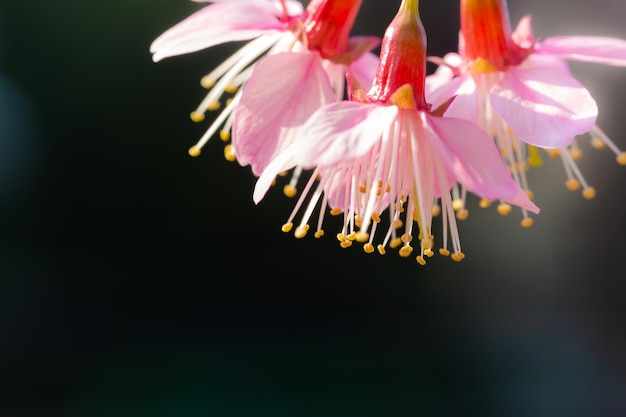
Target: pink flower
{"points": [[520, 90], [385, 150], [307, 54]]}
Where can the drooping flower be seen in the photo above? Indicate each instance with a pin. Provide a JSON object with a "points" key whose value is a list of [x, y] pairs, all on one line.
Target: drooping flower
{"points": [[520, 90], [285, 89], [306, 54], [386, 150]]}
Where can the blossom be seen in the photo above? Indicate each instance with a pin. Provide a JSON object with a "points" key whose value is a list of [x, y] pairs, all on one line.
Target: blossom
{"points": [[520, 90], [385, 149], [299, 56]]}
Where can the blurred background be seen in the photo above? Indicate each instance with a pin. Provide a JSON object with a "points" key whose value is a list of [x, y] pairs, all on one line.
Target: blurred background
{"points": [[138, 281]]}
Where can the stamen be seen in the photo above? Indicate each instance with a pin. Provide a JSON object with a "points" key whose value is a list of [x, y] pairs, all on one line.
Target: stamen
{"points": [[598, 136], [504, 209], [252, 49], [195, 150], [572, 169]]}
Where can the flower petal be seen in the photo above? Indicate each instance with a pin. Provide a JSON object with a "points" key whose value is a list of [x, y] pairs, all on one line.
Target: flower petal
{"points": [[598, 49], [280, 95], [283, 162], [215, 24], [364, 69], [469, 153], [342, 132], [545, 106], [523, 34], [438, 91]]}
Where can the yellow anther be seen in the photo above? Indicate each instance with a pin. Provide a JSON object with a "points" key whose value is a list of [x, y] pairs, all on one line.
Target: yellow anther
{"points": [[224, 135], [231, 88], [621, 158], [395, 243], [351, 236], [388, 188], [341, 237], [301, 231], [518, 167], [196, 116], [214, 105], [287, 227], [457, 256], [358, 220], [319, 234], [346, 244], [436, 210], [420, 260], [426, 243], [405, 251], [228, 101], [229, 153], [589, 193], [598, 143], [572, 184], [194, 151], [381, 249], [362, 237], [283, 173], [457, 204], [484, 203], [335, 212], [530, 194], [406, 238], [397, 224], [534, 157], [554, 153], [504, 209], [444, 252], [363, 189], [368, 248], [462, 214], [527, 222], [376, 217], [576, 153], [415, 214], [207, 82], [429, 252], [290, 191]]}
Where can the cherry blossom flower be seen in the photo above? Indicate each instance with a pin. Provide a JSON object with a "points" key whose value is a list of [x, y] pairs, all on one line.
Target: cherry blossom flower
{"points": [[385, 149], [520, 90], [306, 55]]}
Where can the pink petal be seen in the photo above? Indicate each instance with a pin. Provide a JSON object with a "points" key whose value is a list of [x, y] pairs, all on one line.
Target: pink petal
{"points": [[598, 49], [523, 34], [469, 153], [225, 21], [364, 69], [283, 162], [545, 106], [294, 7], [282, 92], [342, 132], [464, 106]]}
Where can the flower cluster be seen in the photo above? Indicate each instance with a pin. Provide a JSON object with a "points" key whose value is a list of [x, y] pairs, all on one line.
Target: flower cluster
{"points": [[388, 146]]}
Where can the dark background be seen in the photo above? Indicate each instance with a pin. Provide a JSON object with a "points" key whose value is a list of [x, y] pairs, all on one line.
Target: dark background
{"points": [[137, 281]]}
